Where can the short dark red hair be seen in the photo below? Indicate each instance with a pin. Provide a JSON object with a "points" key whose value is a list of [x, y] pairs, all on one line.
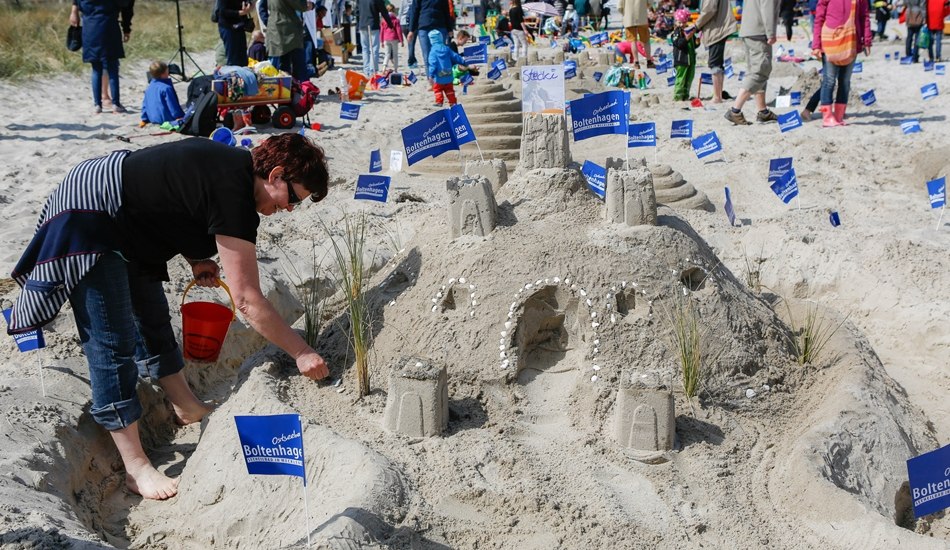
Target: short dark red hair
{"points": [[303, 162]]}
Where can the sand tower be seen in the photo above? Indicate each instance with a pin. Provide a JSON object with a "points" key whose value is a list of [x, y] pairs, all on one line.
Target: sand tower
{"points": [[494, 170], [418, 401], [645, 419], [674, 191], [630, 196], [545, 142], [471, 206]]}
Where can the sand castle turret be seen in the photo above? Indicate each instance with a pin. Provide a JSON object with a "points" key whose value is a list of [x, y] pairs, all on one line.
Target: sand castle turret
{"points": [[494, 170], [471, 205], [418, 401], [645, 417], [672, 190], [630, 196], [545, 142]]}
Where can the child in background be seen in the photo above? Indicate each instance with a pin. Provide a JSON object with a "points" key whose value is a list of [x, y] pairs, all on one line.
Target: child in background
{"points": [[391, 35], [684, 54], [161, 102], [257, 51], [461, 39], [439, 68]]}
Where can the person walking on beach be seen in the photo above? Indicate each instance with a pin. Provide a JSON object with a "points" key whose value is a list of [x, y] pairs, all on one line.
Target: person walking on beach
{"points": [[915, 15], [759, 21], [936, 11], [519, 30], [284, 36], [431, 15], [717, 24], [404, 9], [838, 54], [370, 12], [103, 241], [637, 28], [102, 38], [231, 15], [439, 69], [392, 38]]}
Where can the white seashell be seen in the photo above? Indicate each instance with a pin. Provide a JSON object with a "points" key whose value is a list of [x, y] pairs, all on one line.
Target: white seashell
{"points": [[596, 367], [434, 308], [528, 286], [644, 292], [503, 366], [507, 325], [452, 281], [503, 334], [750, 393], [623, 284], [547, 281], [589, 302], [557, 280], [766, 387], [472, 314], [596, 351], [685, 292], [474, 303], [418, 363], [501, 355], [537, 283], [597, 342], [613, 318], [501, 342], [634, 284], [471, 287], [593, 314], [439, 295], [505, 363], [462, 280], [595, 324], [583, 292], [510, 315], [434, 300], [501, 347], [593, 378], [574, 286], [513, 305], [392, 303], [341, 390]]}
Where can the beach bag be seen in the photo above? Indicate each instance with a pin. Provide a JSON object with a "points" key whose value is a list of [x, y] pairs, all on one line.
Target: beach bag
{"points": [[840, 44], [923, 39], [303, 96], [198, 86], [202, 118], [74, 38]]}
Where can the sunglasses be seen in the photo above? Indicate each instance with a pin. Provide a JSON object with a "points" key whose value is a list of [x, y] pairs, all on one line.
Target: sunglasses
{"points": [[292, 198]]}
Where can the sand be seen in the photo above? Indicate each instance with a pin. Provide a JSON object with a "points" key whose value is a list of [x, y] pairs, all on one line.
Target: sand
{"points": [[815, 459]]}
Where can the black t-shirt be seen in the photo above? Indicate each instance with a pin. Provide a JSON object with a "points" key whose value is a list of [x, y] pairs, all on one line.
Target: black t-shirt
{"points": [[516, 17], [176, 197]]}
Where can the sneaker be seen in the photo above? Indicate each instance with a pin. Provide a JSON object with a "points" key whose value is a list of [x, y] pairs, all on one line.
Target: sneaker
{"points": [[413, 66], [736, 118], [767, 116], [97, 110], [119, 109], [437, 104]]}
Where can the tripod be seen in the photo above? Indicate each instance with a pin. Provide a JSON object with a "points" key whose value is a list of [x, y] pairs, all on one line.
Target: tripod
{"points": [[182, 52]]}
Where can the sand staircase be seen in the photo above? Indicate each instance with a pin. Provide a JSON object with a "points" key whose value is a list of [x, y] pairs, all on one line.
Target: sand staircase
{"points": [[672, 190], [495, 115]]}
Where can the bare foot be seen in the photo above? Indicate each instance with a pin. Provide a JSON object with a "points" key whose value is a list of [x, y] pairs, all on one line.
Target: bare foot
{"points": [[191, 414], [145, 480]]}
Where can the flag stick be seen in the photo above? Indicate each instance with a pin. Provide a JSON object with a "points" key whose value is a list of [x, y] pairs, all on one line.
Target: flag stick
{"points": [[461, 161], [39, 363], [626, 154], [939, 221], [654, 154], [306, 500], [479, 152]]}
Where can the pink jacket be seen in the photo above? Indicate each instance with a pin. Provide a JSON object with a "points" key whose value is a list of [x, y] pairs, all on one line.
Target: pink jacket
{"points": [[836, 12], [387, 33]]}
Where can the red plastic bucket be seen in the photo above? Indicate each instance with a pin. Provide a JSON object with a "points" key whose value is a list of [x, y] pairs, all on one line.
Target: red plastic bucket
{"points": [[204, 326]]}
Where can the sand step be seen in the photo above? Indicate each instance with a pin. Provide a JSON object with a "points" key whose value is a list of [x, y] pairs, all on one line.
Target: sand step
{"points": [[486, 89], [502, 117], [496, 128], [503, 95], [494, 107]]}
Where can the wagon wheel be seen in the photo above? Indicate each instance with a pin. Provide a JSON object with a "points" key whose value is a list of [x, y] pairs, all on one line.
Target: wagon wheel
{"points": [[283, 118], [260, 114]]}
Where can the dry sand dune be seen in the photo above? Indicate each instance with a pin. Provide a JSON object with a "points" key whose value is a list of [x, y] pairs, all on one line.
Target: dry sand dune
{"points": [[531, 458]]}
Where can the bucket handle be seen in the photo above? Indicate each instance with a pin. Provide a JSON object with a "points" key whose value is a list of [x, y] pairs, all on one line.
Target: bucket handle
{"points": [[221, 284]]}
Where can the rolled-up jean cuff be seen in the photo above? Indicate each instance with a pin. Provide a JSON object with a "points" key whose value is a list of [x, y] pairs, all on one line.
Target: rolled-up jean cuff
{"points": [[118, 415], [162, 365], [716, 70]]}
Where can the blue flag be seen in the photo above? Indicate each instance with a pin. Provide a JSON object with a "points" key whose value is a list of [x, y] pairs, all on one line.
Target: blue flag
{"points": [[384, 83], [929, 91], [372, 188], [929, 479], [928, 66], [730, 210], [599, 114], [486, 40], [858, 67], [597, 76], [941, 69], [350, 111], [727, 62], [907, 60], [786, 187], [641, 135], [741, 75], [27, 341], [706, 145], [910, 126], [789, 121], [796, 98], [729, 72], [430, 137], [661, 68], [936, 189], [868, 98], [682, 129], [887, 57], [412, 78], [493, 74], [596, 177], [375, 161], [475, 55], [501, 42], [778, 167], [671, 80], [705, 78], [272, 444], [460, 125], [834, 219], [466, 79], [570, 68], [500, 64]]}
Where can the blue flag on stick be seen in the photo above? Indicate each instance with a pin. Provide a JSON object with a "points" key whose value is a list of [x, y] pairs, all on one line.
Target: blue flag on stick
{"points": [[350, 111], [596, 177], [705, 78], [475, 55], [929, 479], [671, 80], [929, 91], [786, 187], [429, 137], [706, 145], [501, 42], [412, 78], [570, 68], [778, 167], [641, 135], [272, 444], [910, 126], [729, 72], [375, 161], [27, 341], [789, 121], [597, 76], [493, 74], [730, 210], [868, 98], [834, 219], [928, 66], [682, 129], [907, 60], [858, 67], [941, 69], [936, 189], [460, 125], [500, 64], [796, 98], [599, 114], [484, 40], [372, 188]]}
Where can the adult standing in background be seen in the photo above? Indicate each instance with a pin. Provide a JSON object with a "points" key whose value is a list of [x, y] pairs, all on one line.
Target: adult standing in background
{"points": [[102, 38], [518, 30], [759, 20], [404, 8], [833, 14], [595, 11], [369, 13], [637, 28], [916, 18], [285, 36], [936, 10], [787, 11], [431, 15], [717, 23], [231, 15]]}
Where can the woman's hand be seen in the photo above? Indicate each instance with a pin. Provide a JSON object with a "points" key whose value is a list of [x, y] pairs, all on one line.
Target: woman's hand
{"points": [[74, 16], [312, 366], [205, 272], [867, 51], [816, 52]]}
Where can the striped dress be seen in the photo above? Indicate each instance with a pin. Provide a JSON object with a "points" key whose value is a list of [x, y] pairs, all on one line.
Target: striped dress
{"points": [[76, 226]]}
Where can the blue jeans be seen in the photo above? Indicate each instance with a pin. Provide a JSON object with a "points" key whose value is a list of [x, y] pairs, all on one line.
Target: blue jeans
{"points": [[426, 45], [832, 74], [112, 67], [121, 318], [235, 45], [293, 62], [936, 43], [910, 48], [412, 50], [370, 41]]}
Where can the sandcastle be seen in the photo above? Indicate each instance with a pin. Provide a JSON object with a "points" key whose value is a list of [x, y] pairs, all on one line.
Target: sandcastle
{"points": [[545, 142], [645, 418], [418, 403], [471, 206]]}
